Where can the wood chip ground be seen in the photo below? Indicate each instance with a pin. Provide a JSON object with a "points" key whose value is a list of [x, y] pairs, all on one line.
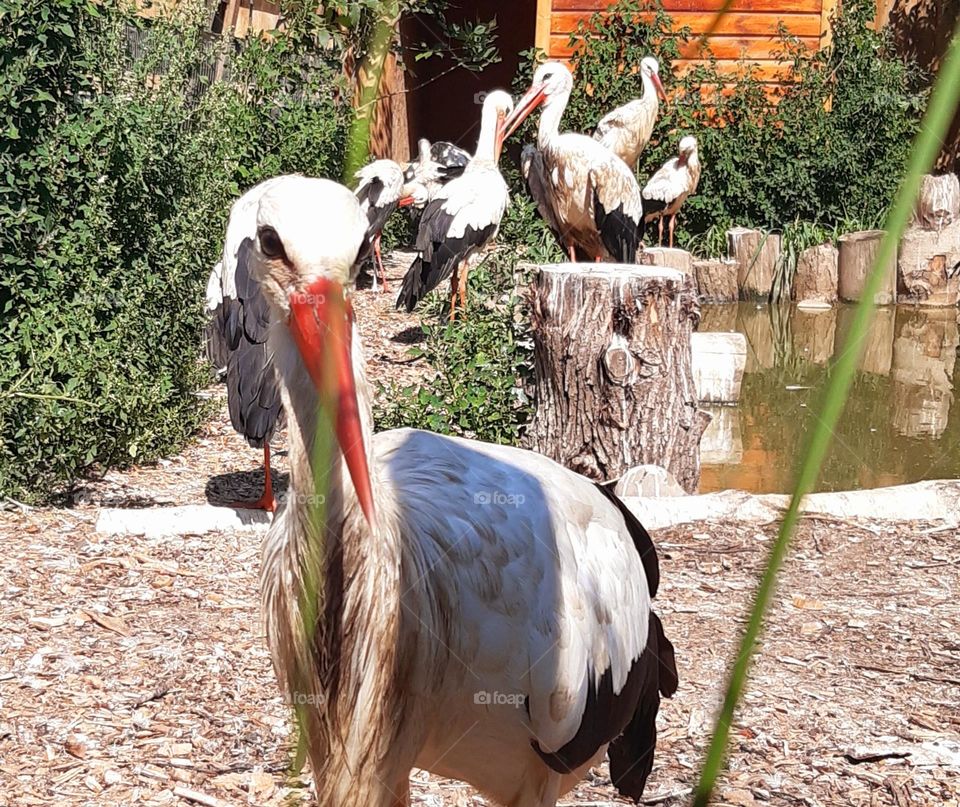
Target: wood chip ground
{"points": [[133, 671]]}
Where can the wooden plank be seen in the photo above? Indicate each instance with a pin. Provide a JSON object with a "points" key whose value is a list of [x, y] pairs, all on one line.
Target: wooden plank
{"points": [[780, 6], [826, 12], [541, 38], [804, 25], [727, 48]]}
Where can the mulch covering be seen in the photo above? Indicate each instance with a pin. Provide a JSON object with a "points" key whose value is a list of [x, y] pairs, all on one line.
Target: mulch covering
{"points": [[133, 671]]}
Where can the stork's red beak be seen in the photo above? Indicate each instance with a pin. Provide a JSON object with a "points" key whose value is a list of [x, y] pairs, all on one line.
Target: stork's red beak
{"points": [[530, 101], [405, 201], [321, 320], [658, 86]]}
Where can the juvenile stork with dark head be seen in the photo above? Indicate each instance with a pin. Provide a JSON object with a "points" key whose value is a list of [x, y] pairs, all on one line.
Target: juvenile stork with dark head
{"points": [[463, 217], [474, 610], [592, 196], [667, 189]]}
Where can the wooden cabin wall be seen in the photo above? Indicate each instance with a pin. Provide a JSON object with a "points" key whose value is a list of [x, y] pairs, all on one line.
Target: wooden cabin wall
{"points": [[747, 31]]}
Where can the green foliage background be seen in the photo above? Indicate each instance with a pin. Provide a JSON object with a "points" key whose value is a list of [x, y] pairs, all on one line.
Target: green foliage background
{"points": [[115, 175]]}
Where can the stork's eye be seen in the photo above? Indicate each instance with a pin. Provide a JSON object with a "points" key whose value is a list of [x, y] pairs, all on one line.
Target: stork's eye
{"points": [[270, 243]]}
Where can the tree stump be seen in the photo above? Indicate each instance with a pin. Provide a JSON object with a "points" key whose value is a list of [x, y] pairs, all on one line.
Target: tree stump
{"points": [[816, 279], [857, 252], [717, 280], [668, 256], [757, 254], [926, 259], [614, 386], [938, 204]]}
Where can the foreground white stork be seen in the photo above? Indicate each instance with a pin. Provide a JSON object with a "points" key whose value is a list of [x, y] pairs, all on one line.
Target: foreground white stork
{"points": [[380, 191], [463, 217], [671, 185], [237, 335], [593, 196], [627, 129], [480, 611]]}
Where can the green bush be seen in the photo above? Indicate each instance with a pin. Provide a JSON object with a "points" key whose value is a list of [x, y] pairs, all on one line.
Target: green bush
{"points": [[118, 173]]}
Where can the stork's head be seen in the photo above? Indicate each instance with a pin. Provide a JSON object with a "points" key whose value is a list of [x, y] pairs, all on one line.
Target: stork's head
{"points": [[687, 149], [497, 106], [309, 232], [552, 82], [650, 68]]}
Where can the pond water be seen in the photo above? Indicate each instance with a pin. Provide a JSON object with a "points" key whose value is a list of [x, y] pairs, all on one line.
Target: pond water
{"points": [[901, 423]]}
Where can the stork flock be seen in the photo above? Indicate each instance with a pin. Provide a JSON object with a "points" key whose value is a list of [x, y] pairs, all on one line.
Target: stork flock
{"points": [[473, 610]]}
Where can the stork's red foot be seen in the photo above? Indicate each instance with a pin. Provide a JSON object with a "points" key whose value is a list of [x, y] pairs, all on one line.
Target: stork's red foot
{"points": [[266, 501]]}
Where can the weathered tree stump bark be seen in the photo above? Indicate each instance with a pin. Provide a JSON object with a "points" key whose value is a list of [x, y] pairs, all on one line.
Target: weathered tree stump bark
{"points": [[924, 266], [756, 254], [614, 386], [938, 204], [857, 252], [668, 256], [816, 279], [717, 280]]}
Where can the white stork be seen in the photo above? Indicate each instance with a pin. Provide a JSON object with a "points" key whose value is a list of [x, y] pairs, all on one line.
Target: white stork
{"points": [[381, 190], [475, 610], [463, 217], [627, 129], [237, 335], [434, 167], [592, 194], [671, 185]]}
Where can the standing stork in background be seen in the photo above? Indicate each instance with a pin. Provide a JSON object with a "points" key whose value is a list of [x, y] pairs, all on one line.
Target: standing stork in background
{"points": [[434, 167], [593, 196], [671, 185], [237, 335], [463, 217], [627, 129], [474, 610], [380, 191]]}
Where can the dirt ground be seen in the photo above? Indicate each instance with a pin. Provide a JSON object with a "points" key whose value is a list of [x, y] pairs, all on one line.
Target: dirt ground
{"points": [[133, 670]]}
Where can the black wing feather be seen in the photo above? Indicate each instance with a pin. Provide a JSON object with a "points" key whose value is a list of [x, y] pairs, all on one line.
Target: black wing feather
{"points": [[621, 235], [439, 255], [253, 393]]}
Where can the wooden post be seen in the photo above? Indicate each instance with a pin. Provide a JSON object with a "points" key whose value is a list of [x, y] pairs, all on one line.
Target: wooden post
{"points": [[938, 204], [816, 279], [667, 256], [757, 254], [614, 386], [857, 252], [717, 281]]}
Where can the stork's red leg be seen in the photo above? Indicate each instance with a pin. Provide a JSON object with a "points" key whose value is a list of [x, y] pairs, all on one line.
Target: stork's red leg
{"points": [[453, 294], [266, 500], [378, 260], [660, 231], [573, 253], [463, 290], [673, 220]]}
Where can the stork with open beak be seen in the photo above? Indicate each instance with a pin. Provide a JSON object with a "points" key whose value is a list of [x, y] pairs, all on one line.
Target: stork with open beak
{"points": [[627, 129], [381, 189], [593, 195], [463, 217], [470, 609], [671, 185]]}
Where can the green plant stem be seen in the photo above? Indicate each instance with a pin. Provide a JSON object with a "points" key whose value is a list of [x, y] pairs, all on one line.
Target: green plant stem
{"points": [[371, 69], [937, 120]]}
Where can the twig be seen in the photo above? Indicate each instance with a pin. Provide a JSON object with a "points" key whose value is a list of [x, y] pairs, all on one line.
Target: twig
{"points": [[197, 797]]}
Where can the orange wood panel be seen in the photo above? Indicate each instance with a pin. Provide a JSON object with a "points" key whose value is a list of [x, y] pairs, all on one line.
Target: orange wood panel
{"points": [[740, 47], [803, 25], [808, 6]]}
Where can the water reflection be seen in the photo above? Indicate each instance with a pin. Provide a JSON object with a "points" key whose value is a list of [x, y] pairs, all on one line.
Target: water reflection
{"points": [[900, 424]]}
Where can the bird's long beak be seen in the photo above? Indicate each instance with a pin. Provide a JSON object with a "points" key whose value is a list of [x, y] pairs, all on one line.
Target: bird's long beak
{"points": [[658, 86], [500, 137], [530, 101], [405, 201], [321, 322]]}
